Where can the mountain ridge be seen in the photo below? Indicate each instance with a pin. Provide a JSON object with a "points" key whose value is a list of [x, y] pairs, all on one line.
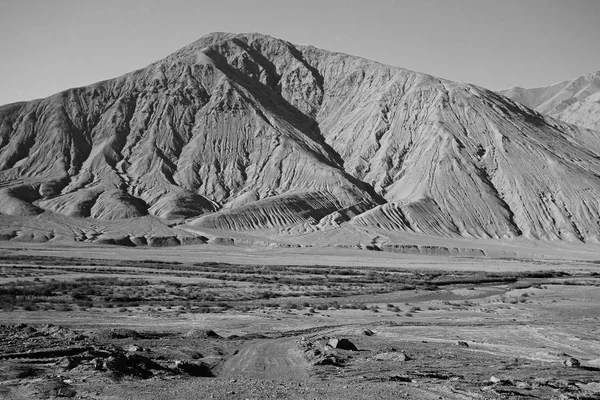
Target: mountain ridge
{"points": [[574, 101], [249, 132]]}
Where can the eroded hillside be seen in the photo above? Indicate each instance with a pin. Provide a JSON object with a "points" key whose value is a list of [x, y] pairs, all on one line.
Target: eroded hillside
{"points": [[246, 132]]}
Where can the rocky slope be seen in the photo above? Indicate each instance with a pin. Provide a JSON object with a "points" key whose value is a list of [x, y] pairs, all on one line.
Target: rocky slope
{"points": [[576, 101], [239, 132]]}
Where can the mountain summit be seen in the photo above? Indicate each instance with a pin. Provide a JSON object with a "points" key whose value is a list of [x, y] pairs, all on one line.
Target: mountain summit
{"points": [[247, 132]]}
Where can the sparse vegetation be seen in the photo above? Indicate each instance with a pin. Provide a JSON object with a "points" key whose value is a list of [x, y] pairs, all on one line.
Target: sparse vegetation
{"points": [[217, 287]]}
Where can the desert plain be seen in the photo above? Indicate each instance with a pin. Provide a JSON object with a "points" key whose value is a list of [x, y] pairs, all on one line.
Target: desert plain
{"points": [[92, 321]]}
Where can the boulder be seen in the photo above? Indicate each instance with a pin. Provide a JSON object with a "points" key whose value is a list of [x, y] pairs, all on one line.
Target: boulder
{"points": [[571, 362], [343, 344], [134, 348]]}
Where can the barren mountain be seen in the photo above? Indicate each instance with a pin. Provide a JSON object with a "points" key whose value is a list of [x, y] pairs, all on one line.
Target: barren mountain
{"points": [[246, 132], [576, 102]]}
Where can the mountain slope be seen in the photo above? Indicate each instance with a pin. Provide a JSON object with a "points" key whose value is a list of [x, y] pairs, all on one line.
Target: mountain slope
{"points": [[576, 102], [238, 132]]}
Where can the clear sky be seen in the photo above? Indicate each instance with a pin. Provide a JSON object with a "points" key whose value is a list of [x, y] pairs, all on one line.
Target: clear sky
{"points": [[50, 45]]}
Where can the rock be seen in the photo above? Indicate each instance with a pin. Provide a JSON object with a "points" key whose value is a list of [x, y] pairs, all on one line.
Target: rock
{"points": [[328, 359], [343, 344], [398, 378], [68, 363], [367, 332], [50, 387], [202, 333], [116, 363], [194, 368], [395, 356], [134, 348], [98, 364], [571, 362], [462, 343], [193, 354]]}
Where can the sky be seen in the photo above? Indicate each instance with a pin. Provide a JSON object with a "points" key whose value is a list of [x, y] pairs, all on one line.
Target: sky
{"points": [[50, 45]]}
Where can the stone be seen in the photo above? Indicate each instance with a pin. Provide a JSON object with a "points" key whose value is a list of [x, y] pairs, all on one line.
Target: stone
{"points": [[343, 344], [134, 348], [195, 368], [571, 362]]}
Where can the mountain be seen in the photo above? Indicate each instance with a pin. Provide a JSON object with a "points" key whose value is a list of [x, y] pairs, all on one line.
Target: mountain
{"points": [[576, 102], [245, 132]]}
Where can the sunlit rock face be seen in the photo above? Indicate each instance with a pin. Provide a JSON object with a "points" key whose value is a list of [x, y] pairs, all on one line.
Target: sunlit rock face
{"points": [[246, 132]]}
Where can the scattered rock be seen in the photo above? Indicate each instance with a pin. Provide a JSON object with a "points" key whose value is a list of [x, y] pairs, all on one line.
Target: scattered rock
{"points": [[202, 333], [98, 364], [503, 382], [328, 359], [134, 348], [343, 344], [193, 368], [68, 363], [130, 364], [395, 356], [571, 362], [398, 378]]}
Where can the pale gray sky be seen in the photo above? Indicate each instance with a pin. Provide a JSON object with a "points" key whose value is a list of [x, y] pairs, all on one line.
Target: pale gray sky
{"points": [[50, 45]]}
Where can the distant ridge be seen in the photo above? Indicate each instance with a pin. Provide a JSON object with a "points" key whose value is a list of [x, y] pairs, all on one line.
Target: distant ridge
{"points": [[576, 102]]}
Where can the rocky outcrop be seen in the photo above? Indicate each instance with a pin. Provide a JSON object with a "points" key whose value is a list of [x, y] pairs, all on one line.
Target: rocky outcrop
{"points": [[249, 132]]}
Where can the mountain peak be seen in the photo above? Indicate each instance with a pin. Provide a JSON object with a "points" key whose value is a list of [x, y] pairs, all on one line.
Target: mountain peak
{"points": [[243, 131], [575, 101]]}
